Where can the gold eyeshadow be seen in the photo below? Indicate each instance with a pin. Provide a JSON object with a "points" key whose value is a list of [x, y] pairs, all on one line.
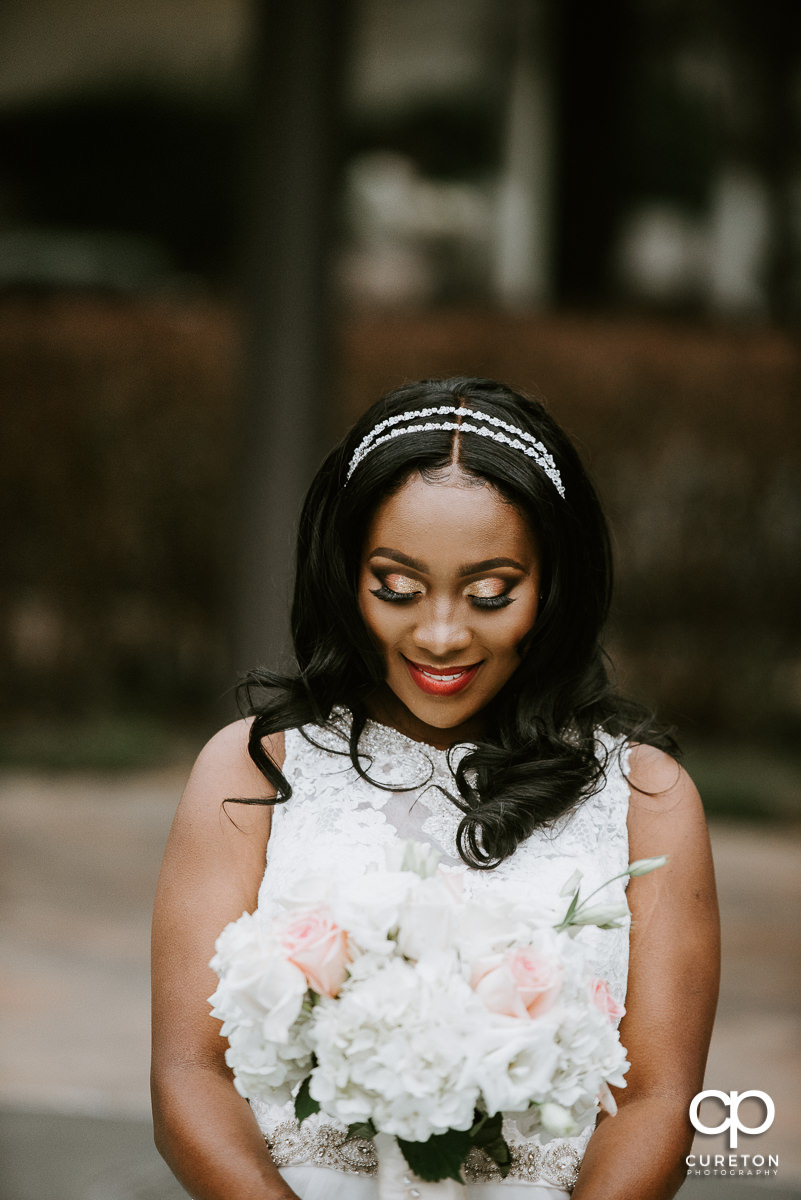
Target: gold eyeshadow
{"points": [[402, 584], [487, 589]]}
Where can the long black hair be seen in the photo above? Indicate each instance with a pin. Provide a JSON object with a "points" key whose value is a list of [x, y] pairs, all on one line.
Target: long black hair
{"points": [[540, 755]]}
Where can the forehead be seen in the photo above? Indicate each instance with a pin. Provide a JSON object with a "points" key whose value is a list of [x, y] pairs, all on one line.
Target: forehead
{"points": [[456, 517]]}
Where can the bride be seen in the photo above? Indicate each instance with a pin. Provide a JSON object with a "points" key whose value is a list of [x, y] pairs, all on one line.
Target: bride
{"points": [[453, 578]]}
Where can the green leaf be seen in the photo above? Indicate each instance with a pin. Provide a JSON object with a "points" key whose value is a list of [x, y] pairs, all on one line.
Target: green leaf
{"points": [[568, 917], [304, 1104], [441, 1157], [361, 1129], [481, 1123], [487, 1134]]}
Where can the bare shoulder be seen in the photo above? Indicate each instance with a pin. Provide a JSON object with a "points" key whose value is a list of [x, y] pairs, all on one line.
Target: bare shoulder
{"points": [[228, 748], [664, 803], [224, 765], [216, 849], [213, 866], [226, 794], [653, 772]]}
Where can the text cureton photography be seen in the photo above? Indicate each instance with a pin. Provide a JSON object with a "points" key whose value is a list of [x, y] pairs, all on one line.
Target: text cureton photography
{"points": [[732, 1164], [741, 1164]]}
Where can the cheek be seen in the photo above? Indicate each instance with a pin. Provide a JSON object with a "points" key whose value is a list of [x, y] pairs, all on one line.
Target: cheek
{"points": [[368, 623], [379, 624], [520, 624], [365, 600]]}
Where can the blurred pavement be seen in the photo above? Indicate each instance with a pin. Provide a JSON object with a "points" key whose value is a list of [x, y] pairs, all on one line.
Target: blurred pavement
{"points": [[79, 857]]}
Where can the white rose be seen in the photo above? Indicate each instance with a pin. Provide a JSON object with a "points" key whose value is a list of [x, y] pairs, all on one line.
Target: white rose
{"points": [[369, 908], [307, 892], [256, 981], [425, 919], [480, 930], [517, 1060], [558, 1121], [492, 923]]}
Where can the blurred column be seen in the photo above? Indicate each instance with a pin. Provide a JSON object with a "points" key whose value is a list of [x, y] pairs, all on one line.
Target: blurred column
{"points": [[595, 47], [522, 260], [772, 35], [292, 150]]}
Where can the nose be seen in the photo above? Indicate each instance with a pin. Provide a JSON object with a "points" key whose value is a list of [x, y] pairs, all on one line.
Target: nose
{"points": [[442, 631]]}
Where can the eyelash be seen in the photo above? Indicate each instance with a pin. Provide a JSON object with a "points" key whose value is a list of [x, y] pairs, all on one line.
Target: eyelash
{"points": [[491, 601], [483, 602]]}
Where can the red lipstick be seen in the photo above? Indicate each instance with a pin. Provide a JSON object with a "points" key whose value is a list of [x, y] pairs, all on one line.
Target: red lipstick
{"points": [[441, 681]]}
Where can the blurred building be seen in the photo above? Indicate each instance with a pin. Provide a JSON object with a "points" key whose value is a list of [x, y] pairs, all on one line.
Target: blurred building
{"points": [[527, 152]]}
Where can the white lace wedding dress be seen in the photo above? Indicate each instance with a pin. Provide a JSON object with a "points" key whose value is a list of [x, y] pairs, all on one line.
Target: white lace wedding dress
{"points": [[336, 820]]}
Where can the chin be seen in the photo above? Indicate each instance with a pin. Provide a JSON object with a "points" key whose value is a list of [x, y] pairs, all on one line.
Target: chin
{"points": [[443, 721]]}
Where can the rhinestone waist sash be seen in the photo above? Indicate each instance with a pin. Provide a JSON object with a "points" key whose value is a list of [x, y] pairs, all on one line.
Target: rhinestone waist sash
{"points": [[555, 1163]]}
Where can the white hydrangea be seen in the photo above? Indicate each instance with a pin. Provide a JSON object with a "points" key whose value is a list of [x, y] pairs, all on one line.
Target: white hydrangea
{"points": [[395, 1049], [265, 1069], [257, 984], [517, 1062]]}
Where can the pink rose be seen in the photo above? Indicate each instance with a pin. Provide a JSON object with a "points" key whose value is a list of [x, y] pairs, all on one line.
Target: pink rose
{"points": [[520, 983], [319, 948], [603, 1000]]}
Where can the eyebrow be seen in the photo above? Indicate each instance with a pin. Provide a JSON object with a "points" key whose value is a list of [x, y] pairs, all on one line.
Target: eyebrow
{"points": [[489, 564]]}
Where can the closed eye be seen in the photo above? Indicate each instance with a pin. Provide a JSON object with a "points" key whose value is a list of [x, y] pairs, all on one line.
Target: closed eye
{"points": [[491, 601], [482, 602], [491, 592], [386, 593]]}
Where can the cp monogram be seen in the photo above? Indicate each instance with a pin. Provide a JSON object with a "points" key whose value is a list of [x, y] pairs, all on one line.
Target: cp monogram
{"points": [[732, 1101]]}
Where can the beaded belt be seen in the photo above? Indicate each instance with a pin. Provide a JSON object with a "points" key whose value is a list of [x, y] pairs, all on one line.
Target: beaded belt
{"points": [[556, 1163]]}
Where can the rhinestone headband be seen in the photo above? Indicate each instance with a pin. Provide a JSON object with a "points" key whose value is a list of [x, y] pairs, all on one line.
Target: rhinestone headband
{"points": [[520, 440]]}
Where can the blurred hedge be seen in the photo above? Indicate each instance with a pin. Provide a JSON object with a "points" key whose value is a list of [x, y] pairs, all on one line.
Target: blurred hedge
{"points": [[117, 462], [114, 474]]}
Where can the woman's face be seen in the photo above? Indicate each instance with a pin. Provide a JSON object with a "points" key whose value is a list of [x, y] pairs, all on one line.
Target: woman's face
{"points": [[448, 587]]}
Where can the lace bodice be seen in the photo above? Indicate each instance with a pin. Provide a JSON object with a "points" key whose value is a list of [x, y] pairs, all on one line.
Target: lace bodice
{"points": [[337, 821]]}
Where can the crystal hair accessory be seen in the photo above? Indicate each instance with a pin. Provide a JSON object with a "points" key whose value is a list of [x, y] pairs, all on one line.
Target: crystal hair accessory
{"points": [[521, 439]]}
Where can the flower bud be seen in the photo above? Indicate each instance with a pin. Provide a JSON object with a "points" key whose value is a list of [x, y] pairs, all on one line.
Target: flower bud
{"points": [[607, 916], [557, 1120], [569, 887], [644, 866], [420, 858]]}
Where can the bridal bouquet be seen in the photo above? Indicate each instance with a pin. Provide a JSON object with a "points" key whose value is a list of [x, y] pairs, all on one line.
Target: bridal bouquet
{"points": [[398, 1006]]}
